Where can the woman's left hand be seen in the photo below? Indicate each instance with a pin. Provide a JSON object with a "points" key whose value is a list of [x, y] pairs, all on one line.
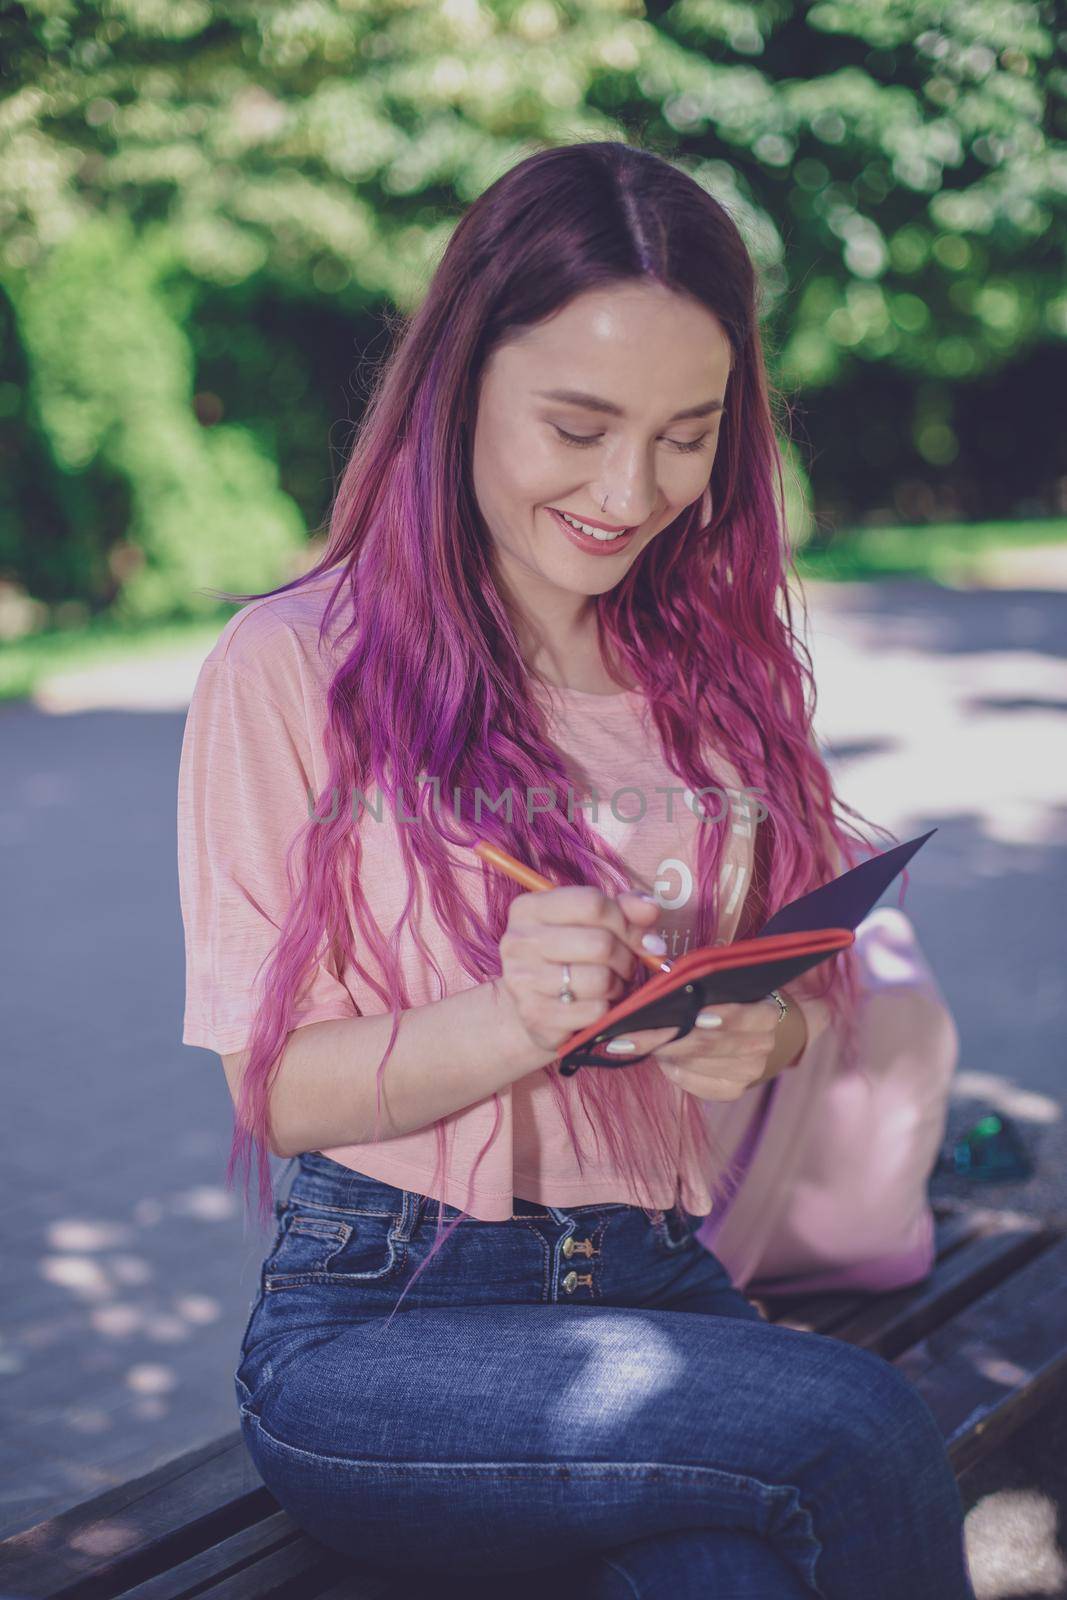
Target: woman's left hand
{"points": [[716, 1063]]}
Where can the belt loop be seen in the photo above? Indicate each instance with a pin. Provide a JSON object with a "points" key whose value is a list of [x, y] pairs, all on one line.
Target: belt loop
{"points": [[411, 1213], [279, 1203]]}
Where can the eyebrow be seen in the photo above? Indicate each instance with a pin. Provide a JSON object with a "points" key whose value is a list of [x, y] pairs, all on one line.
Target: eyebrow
{"points": [[592, 402]]}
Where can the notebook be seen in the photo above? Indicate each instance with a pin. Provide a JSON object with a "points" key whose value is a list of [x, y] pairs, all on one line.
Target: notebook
{"points": [[796, 938]]}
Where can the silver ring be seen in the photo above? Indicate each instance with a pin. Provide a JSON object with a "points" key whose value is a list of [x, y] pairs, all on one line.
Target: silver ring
{"points": [[566, 993]]}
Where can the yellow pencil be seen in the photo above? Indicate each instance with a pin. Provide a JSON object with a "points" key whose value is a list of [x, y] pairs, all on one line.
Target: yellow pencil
{"points": [[529, 879]]}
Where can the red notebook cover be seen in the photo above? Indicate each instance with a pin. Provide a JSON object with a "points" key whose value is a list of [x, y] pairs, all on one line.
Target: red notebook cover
{"points": [[800, 935]]}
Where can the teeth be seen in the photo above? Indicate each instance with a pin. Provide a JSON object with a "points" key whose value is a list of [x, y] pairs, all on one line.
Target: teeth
{"points": [[595, 533]]}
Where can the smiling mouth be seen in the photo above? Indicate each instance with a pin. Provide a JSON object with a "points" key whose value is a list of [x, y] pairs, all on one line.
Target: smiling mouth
{"points": [[593, 534]]}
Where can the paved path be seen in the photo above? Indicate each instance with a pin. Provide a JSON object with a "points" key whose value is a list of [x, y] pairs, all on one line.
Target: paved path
{"points": [[130, 1268]]}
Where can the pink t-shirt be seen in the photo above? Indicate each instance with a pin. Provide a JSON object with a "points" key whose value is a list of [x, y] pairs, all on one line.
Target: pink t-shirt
{"points": [[252, 752]]}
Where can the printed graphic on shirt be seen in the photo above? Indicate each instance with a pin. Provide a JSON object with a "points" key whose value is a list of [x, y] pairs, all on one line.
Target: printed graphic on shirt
{"points": [[670, 873]]}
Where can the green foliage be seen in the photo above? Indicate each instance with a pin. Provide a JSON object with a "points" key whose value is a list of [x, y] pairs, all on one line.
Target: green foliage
{"points": [[112, 381], [897, 166], [1022, 553]]}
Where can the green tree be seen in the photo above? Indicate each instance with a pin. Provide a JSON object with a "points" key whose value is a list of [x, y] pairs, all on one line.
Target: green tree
{"points": [[897, 166]]}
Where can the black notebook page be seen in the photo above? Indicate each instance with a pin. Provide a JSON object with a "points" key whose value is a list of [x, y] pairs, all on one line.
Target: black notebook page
{"points": [[844, 901]]}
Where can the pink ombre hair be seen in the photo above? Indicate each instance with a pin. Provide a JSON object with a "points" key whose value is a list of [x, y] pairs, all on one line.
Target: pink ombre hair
{"points": [[433, 680]]}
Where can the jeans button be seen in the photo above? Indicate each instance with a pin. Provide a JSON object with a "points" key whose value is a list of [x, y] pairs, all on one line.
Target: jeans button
{"points": [[569, 1281], [568, 1247]]}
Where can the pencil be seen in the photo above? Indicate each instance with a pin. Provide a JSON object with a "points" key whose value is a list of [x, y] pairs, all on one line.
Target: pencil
{"points": [[529, 879]]}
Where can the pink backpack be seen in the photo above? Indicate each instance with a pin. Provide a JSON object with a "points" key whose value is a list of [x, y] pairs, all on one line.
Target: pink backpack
{"points": [[835, 1164]]}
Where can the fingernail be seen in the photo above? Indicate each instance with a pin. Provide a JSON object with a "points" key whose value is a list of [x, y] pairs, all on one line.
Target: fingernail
{"points": [[620, 1046], [650, 898], [709, 1019], [656, 943]]}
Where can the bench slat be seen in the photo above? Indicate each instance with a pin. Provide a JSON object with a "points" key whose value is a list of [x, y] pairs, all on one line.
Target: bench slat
{"points": [[391, 1588], [986, 1372], [952, 1230], [251, 1562], [889, 1323], [137, 1529]]}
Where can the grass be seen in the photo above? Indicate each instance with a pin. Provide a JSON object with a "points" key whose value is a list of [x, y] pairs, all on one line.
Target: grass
{"points": [[948, 553]]}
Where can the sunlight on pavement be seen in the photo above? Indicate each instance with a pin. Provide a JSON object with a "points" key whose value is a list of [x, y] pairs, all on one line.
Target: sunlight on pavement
{"points": [[149, 683], [1012, 1533], [1008, 1097], [952, 737], [938, 735]]}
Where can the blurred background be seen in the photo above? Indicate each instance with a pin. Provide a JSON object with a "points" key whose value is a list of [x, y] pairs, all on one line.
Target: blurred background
{"points": [[209, 211]]}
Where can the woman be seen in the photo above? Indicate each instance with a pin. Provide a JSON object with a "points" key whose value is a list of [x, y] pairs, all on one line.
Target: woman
{"points": [[552, 577]]}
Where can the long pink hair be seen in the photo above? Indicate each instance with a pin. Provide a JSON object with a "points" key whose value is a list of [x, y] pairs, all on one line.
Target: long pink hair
{"points": [[430, 678]]}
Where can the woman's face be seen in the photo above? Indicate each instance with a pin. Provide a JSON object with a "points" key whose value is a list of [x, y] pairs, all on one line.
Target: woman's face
{"points": [[588, 404]]}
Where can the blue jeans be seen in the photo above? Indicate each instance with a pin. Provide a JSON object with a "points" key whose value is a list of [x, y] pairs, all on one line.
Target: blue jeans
{"points": [[581, 1395]]}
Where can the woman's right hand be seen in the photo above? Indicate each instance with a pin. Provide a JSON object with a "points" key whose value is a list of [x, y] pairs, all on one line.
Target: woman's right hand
{"points": [[596, 934]]}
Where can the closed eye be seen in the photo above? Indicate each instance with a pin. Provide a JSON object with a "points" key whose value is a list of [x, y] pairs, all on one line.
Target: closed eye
{"points": [[582, 440]]}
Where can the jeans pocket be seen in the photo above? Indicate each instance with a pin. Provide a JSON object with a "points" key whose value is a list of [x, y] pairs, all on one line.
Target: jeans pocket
{"points": [[324, 1247]]}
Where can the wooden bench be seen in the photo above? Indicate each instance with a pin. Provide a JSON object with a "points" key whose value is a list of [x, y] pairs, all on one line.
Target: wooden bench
{"points": [[983, 1338]]}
